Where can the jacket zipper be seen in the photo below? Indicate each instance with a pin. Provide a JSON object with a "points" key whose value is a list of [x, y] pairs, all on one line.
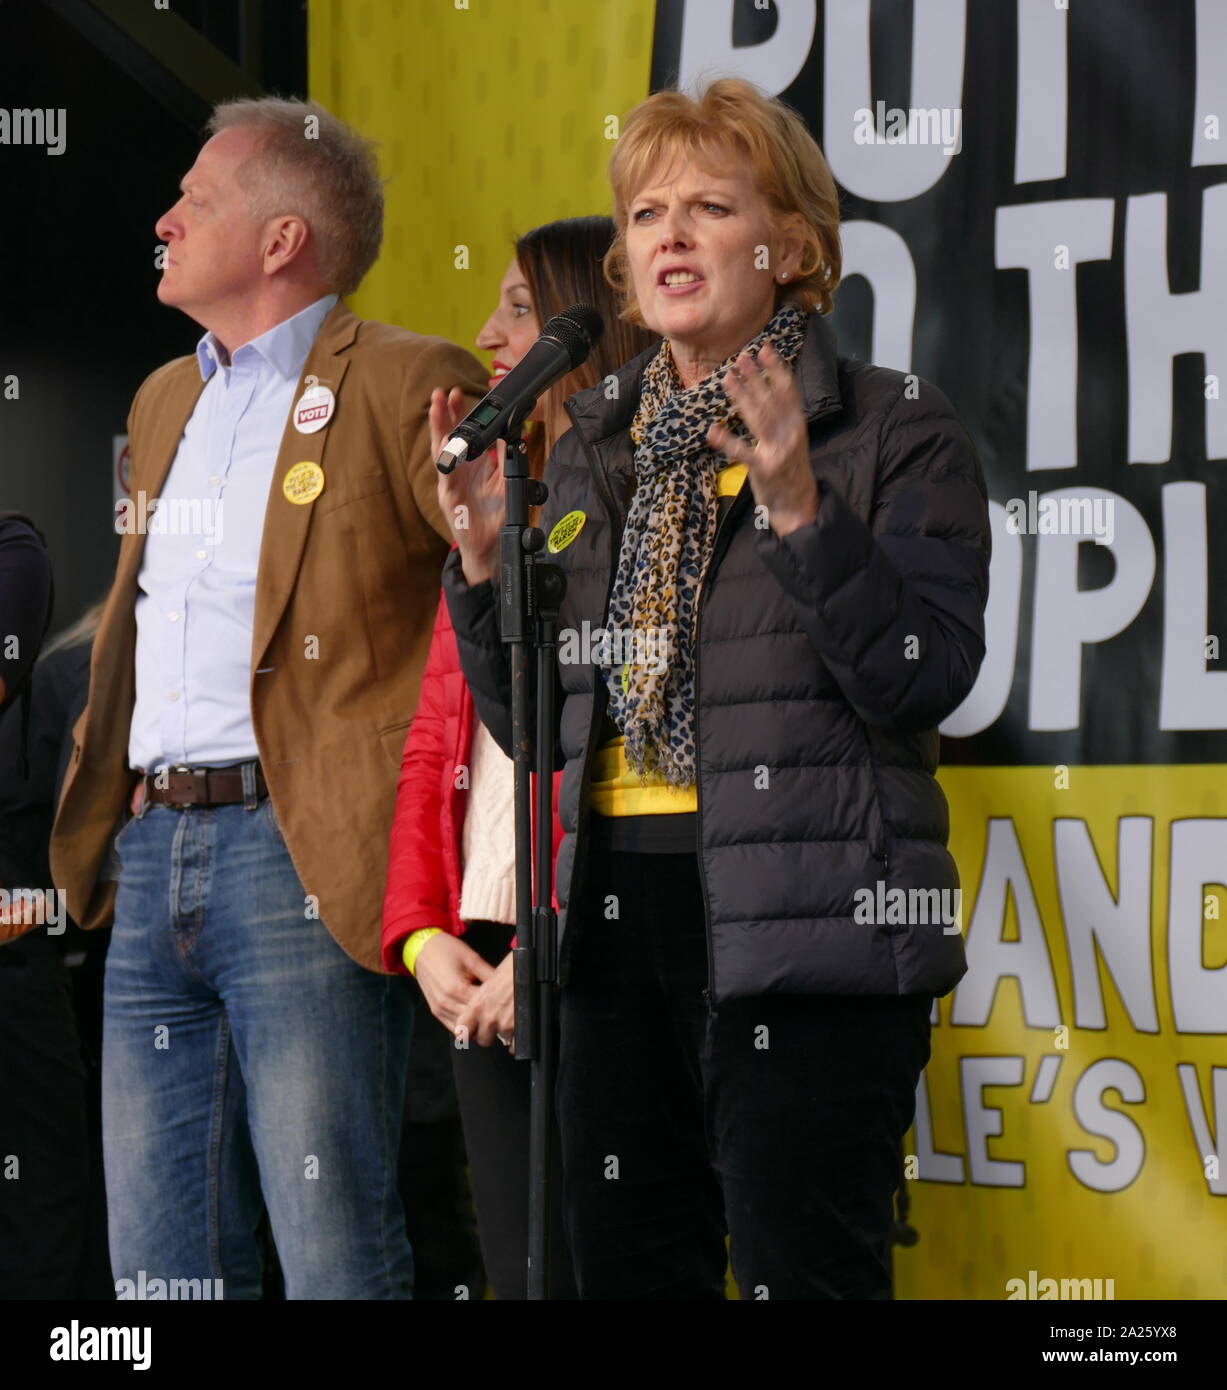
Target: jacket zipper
{"points": [[884, 847], [710, 991], [615, 538]]}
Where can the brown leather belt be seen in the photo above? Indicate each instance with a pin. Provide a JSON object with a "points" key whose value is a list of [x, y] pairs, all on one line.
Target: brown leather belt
{"points": [[181, 787]]}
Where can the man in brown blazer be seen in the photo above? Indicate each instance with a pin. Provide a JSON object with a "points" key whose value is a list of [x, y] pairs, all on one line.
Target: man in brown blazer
{"points": [[253, 676]]}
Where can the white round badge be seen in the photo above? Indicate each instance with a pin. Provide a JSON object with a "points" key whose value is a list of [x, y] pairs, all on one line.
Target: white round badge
{"points": [[314, 409]]}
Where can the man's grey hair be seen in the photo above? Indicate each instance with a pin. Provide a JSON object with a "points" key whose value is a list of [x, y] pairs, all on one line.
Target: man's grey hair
{"points": [[313, 165]]}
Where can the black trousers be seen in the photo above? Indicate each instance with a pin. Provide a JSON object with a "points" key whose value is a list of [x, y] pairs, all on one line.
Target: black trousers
{"points": [[494, 1091], [777, 1120], [44, 1138], [431, 1171]]}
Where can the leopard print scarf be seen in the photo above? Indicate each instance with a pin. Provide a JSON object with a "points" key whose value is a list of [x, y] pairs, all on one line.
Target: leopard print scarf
{"points": [[666, 548]]}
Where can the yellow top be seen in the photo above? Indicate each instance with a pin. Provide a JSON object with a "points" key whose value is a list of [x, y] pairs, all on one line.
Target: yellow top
{"points": [[616, 789]]}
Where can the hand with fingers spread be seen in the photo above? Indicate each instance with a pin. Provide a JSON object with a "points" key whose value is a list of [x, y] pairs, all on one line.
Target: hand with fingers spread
{"points": [[471, 495], [765, 395]]}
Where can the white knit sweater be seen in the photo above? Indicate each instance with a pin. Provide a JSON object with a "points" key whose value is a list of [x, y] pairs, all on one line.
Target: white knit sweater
{"points": [[487, 841]]}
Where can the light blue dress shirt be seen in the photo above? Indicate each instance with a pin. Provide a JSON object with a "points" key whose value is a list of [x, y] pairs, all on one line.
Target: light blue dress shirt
{"points": [[196, 592]]}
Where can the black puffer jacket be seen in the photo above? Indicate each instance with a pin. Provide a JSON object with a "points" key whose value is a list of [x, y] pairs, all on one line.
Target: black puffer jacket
{"points": [[825, 662]]}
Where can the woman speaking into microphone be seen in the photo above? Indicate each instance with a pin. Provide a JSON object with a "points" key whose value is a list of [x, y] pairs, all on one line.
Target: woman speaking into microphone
{"points": [[777, 565]]}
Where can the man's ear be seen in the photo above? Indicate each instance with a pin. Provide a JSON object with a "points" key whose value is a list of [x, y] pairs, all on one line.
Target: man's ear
{"points": [[285, 240]]}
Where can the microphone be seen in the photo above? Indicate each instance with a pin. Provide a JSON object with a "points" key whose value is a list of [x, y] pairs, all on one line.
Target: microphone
{"points": [[565, 342]]}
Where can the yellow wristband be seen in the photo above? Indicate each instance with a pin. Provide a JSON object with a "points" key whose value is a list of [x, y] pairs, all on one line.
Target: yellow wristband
{"points": [[413, 946]]}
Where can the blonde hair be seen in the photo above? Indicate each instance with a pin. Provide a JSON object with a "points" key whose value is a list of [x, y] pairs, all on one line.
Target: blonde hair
{"points": [[84, 630], [727, 123], [314, 165]]}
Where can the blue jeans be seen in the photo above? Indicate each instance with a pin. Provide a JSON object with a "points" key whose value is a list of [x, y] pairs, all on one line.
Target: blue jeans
{"points": [[246, 1059]]}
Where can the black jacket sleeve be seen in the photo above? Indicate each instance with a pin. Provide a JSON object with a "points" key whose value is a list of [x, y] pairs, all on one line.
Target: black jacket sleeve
{"points": [[896, 608], [485, 659]]}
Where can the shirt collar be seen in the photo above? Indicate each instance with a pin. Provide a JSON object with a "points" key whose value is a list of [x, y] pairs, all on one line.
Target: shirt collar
{"points": [[284, 347]]}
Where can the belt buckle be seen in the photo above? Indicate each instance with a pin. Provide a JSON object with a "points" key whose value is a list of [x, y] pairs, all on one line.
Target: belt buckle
{"points": [[182, 805]]}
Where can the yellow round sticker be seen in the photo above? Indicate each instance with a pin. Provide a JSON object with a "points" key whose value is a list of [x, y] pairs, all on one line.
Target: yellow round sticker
{"points": [[303, 483], [565, 532]]}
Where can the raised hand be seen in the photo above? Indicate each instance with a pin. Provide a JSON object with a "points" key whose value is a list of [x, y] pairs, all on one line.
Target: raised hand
{"points": [[766, 396], [471, 495]]}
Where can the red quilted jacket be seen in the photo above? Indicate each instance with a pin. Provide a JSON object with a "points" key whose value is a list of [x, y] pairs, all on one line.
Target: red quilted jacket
{"points": [[424, 869]]}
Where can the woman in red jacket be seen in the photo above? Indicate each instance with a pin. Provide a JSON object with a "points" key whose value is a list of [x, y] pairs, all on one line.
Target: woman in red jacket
{"points": [[449, 904]]}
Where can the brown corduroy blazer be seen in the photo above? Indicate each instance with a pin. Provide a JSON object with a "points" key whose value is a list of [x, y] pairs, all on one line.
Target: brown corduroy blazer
{"points": [[346, 593]]}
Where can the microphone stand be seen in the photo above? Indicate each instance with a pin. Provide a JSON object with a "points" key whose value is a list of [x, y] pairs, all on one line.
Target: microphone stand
{"points": [[530, 595]]}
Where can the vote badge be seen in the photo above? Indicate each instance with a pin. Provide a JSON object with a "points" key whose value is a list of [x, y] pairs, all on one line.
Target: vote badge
{"points": [[315, 408], [303, 483], [565, 532]]}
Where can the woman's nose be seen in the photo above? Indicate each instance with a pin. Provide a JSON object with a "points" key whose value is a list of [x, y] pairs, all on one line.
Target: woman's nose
{"points": [[673, 232], [490, 337]]}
